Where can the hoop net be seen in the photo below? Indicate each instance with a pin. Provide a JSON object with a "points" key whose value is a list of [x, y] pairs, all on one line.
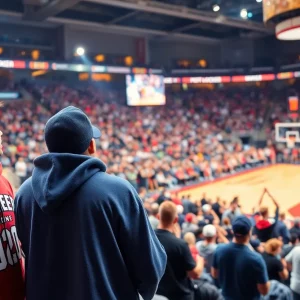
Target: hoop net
{"points": [[291, 140]]}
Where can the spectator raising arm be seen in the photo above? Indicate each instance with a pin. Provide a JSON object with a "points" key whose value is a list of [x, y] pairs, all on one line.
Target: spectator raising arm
{"points": [[276, 204], [256, 208], [216, 220], [221, 235]]}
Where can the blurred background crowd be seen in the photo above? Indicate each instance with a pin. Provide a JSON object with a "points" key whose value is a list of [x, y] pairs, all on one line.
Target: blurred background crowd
{"points": [[197, 138]]}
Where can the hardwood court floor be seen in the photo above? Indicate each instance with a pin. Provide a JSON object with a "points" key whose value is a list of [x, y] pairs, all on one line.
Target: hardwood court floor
{"points": [[282, 180]]}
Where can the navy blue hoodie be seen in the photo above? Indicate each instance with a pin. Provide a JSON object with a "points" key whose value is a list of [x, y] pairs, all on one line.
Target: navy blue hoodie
{"points": [[85, 234]]}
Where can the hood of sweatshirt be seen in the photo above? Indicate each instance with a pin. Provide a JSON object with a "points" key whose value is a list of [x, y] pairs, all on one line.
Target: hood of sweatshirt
{"points": [[57, 175]]}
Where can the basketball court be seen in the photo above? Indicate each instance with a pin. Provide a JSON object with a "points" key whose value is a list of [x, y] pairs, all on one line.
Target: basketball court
{"points": [[282, 181]]}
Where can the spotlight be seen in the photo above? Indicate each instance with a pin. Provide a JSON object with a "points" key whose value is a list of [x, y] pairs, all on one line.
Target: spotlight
{"points": [[250, 14], [258, 1], [216, 8], [244, 13], [80, 51]]}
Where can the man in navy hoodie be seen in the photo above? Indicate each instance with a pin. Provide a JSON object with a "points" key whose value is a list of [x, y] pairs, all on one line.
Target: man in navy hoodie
{"points": [[85, 234]]}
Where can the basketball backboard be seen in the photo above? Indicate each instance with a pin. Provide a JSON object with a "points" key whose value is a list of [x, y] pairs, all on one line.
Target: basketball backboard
{"points": [[288, 133]]}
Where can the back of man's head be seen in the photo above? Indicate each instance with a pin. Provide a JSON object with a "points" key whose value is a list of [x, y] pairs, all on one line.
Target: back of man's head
{"points": [[190, 238], [294, 238], [235, 200], [209, 232], [70, 131], [226, 221], [234, 204], [264, 211], [272, 246], [154, 209], [282, 216], [241, 227], [167, 213], [190, 218], [297, 222]]}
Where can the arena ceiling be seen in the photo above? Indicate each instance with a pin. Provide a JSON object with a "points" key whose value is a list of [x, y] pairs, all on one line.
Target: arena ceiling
{"points": [[177, 19]]}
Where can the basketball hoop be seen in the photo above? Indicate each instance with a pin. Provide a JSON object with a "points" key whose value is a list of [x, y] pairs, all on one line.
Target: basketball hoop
{"points": [[291, 140], [288, 134]]}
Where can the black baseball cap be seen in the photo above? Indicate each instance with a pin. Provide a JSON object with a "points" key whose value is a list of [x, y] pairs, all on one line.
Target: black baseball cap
{"points": [[70, 131], [241, 226]]}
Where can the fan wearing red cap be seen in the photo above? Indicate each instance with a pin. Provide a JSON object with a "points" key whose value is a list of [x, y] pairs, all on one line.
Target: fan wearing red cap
{"points": [[189, 217], [190, 224]]}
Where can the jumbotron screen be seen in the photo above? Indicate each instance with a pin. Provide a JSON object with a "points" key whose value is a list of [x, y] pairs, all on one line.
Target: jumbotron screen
{"points": [[144, 90]]}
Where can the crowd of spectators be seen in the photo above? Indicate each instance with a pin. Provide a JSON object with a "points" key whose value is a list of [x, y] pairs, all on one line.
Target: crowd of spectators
{"points": [[227, 254], [194, 139]]}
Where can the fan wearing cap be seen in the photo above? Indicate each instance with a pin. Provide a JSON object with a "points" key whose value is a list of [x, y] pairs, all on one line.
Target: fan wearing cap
{"points": [[242, 273], [190, 224], [206, 248], [83, 231]]}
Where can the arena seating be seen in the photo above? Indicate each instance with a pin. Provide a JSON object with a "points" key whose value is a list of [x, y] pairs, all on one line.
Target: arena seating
{"points": [[151, 147], [192, 140]]}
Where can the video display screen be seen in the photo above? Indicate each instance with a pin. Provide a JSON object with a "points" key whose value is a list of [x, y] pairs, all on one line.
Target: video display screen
{"points": [[145, 90]]}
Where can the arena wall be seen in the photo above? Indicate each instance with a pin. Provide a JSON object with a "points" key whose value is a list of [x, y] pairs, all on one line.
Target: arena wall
{"points": [[163, 52], [98, 42]]}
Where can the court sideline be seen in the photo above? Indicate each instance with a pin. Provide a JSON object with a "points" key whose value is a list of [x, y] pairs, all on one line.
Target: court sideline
{"points": [[282, 180]]}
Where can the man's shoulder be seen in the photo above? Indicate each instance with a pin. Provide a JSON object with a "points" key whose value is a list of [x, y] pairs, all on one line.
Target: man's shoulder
{"points": [[199, 244], [254, 257], [171, 238], [296, 250], [180, 242], [26, 187], [104, 180], [111, 189], [226, 212], [25, 192], [222, 247], [178, 246], [281, 224], [216, 205]]}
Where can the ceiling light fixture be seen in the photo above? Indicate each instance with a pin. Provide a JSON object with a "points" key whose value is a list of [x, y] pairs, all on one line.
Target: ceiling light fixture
{"points": [[244, 13], [216, 8], [80, 51]]}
